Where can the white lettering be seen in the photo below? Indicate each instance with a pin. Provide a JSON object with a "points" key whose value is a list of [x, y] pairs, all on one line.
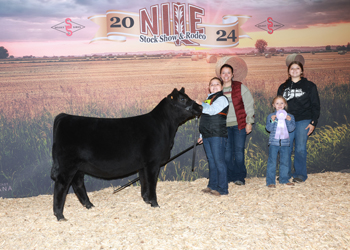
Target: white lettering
{"points": [[4, 187]]}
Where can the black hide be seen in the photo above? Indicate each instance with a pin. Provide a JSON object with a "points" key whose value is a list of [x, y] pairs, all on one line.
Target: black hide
{"points": [[111, 148]]}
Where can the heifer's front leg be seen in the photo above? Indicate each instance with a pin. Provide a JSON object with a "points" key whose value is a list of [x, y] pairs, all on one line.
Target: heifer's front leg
{"points": [[151, 183], [80, 190], [144, 186]]}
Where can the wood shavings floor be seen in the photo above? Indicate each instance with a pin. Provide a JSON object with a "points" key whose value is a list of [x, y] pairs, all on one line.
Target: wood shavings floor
{"points": [[310, 215]]}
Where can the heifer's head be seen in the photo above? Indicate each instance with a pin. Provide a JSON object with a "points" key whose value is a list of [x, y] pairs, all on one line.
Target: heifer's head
{"points": [[185, 106]]}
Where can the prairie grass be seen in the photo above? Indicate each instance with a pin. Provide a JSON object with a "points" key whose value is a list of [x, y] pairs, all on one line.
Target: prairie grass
{"points": [[328, 149]]}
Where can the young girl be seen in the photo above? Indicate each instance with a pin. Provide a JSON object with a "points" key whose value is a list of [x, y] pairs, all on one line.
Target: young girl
{"points": [[213, 130], [279, 124]]}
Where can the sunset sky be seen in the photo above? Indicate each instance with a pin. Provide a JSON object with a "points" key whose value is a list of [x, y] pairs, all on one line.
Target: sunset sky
{"points": [[26, 25]]}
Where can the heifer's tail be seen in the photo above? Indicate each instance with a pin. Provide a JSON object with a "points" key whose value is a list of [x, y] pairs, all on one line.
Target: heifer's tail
{"points": [[55, 166]]}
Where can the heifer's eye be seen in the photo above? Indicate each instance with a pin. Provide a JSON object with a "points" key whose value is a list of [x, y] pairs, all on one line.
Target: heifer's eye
{"points": [[182, 99]]}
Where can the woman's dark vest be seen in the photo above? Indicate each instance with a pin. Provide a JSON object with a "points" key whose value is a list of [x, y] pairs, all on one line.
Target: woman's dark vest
{"points": [[214, 125]]}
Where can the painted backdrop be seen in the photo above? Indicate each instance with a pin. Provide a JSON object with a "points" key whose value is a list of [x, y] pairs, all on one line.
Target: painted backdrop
{"points": [[115, 58]]}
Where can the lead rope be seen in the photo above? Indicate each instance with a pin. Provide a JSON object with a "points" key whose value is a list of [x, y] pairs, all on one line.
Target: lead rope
{"points": [[194, 142], [172, 158]]}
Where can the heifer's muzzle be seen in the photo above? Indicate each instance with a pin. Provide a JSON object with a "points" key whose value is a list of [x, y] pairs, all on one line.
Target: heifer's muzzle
{"points": [[194, 107]]}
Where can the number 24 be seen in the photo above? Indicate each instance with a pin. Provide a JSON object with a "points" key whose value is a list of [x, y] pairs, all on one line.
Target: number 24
{"points": [[223, 37]]}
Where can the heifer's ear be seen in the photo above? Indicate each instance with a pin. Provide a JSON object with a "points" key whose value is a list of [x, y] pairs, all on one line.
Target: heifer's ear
{"points": [[182, 90], [173, 94]]}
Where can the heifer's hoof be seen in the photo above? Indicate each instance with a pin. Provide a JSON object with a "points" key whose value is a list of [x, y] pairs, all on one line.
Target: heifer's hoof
{"points": [[154, 204], [90, 205], [60, 217]]}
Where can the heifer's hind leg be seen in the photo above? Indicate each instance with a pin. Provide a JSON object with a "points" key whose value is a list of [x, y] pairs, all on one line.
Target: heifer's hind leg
{"points": [[80, 190], [61, 188]]}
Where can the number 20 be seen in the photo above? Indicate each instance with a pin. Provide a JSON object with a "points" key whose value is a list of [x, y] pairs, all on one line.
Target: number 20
{"points": [[222, 38], [117, 21]]}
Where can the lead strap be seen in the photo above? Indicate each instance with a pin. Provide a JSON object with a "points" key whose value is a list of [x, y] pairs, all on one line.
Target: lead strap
{"points": [[194, 143]]}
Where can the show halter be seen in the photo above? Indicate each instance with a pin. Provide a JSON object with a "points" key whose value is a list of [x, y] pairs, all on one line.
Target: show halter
{"points": [[281, 130]]}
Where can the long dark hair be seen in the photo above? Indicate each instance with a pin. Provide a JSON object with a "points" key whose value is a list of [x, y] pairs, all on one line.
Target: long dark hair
{"points": [[226, 66], [299, 64], [289, 77]]}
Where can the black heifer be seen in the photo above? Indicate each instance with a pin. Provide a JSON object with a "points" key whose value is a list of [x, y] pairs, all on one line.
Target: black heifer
{"points": [[113, 148]]}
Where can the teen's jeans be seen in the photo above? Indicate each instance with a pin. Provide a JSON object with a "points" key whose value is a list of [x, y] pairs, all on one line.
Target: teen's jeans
{"points": [[299, 136], [215, 150], [271, 165], [234, 155]]}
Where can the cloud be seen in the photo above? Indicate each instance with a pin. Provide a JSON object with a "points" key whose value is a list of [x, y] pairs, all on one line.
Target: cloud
{"points": [[303, 14], [20, 9], [326, 12], [19, 30], [26, 10]]}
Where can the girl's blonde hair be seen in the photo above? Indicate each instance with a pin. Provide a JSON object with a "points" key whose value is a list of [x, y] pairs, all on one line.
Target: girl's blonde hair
{"points": [[284, 100]]}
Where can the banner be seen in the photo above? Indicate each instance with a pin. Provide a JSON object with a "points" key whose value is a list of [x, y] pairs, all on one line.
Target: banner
{"points": [[158, 26]]}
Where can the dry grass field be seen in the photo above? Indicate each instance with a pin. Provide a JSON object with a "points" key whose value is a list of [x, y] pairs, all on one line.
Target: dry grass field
{"points": [[105, 83], [27, 88]]}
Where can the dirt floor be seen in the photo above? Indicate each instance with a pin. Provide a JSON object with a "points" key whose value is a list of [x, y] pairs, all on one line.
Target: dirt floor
{"points": [[310, 215]]}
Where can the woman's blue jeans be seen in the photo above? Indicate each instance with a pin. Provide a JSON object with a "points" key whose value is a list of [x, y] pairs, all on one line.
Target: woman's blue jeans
{"points": [[284, 165], [299, 136], [215, 150], [234, 155]]}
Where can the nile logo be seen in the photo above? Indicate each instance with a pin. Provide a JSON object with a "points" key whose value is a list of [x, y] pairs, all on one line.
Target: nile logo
{"points": [[68, 27], [269, 25], [176, 23]]}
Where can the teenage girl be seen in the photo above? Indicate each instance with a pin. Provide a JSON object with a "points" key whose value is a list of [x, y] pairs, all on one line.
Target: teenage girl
{"points": [[304, 104]]}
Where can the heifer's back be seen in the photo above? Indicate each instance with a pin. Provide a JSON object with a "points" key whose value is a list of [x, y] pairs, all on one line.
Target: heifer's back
{"points": [[113, 148], [105, 148]]}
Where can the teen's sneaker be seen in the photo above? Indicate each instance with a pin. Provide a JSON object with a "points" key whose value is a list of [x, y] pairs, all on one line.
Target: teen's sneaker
{"points": [[239, 183], [272, 186], [206, 190], [214, 192], [297, 180], [289, 184]]}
